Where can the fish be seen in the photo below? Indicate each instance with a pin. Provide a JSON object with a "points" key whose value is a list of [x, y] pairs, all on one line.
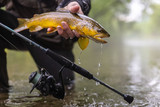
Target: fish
{"points": [[87, 27]]}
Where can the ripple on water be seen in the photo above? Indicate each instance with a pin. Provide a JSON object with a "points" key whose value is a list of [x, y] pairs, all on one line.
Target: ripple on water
{"points": [[21, 99]]}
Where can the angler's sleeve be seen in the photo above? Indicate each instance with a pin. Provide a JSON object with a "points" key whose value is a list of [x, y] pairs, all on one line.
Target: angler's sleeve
{"points": [[85, 5], [3, 2]]}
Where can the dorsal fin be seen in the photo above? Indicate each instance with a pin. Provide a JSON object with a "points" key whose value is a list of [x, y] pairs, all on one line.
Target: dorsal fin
{"points": [[35, 15], [35, 28], [22, 24], [62, 10], [21, 21], [76, 15]]}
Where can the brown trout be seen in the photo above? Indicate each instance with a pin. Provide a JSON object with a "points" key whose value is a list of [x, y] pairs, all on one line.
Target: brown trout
{"points": [[84, 25]]}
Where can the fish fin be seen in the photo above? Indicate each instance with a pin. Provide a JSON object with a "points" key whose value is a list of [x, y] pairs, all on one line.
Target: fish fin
{"points": [[35, 28], [22, 20], [52, 29], [99, 38], [35, 15], [83, 42], [22, 25], [76, 15], [62, 10], [67, 11], [20, 28]]}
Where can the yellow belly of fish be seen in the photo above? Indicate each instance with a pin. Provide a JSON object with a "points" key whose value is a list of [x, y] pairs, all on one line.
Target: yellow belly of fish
{"points": [[39, 25]]}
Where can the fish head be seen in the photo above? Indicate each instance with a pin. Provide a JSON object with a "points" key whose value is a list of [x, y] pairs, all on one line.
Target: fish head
{"points": [[96, 32], [100, 33]]}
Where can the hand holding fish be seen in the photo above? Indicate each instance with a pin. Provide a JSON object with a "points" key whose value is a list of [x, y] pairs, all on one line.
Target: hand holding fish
{"points": [[67, 24], [66, 32]]}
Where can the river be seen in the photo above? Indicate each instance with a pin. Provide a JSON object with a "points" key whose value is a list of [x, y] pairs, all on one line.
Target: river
{"points": [[132, 67]]}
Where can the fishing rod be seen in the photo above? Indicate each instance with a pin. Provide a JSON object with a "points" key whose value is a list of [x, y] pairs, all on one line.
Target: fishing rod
{"points": [[69, 64]]}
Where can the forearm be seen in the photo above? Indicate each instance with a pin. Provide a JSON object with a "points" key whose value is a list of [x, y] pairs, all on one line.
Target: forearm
{"points": [[3, 2], [85, 5]]}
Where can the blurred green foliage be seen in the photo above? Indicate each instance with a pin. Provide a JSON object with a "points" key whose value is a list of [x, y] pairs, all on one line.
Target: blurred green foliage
{"points": [[107, 13]]}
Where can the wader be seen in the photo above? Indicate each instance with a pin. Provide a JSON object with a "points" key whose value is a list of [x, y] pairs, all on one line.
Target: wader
{"points": [[41, 59]]}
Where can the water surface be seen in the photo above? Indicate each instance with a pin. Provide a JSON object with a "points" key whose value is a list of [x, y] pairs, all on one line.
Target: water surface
{"points": [[130, 68]]}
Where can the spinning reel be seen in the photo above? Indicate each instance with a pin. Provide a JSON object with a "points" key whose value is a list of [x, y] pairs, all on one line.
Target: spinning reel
{"points": [[46, 83]]}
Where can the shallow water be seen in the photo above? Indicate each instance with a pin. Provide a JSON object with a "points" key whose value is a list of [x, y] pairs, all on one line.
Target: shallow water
{"points": [[131, 69]]}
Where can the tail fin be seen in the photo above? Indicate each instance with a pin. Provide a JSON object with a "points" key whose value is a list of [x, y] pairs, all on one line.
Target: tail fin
{"points": [[22, 25]]}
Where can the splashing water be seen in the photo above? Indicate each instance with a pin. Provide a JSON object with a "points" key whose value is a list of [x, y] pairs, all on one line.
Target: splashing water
{"points": [[97, 73], [97, 83]]}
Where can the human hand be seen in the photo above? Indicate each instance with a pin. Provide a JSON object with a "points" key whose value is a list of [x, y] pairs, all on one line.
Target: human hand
{"points": [[66, 32]]}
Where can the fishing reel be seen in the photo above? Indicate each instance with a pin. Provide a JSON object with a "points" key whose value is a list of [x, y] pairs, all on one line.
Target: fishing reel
{"points": [[46, 84]]}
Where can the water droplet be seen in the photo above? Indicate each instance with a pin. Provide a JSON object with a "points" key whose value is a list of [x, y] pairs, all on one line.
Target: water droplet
{"points": [[85, 89], [79, 59], [94, 102], [82, 78], [97, 83], [12, 33], [69, 87], [45, 101], [101, 45], [99, 64], [30, 43], [97, 73], [86, 100]]}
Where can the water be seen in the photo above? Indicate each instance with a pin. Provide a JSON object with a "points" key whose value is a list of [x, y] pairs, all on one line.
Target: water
{"points": [[100, 58], [131, 69], [79, 58]]}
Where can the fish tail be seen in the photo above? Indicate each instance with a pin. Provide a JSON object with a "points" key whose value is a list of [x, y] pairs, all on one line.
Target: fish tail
{"points": [[22, 25]]}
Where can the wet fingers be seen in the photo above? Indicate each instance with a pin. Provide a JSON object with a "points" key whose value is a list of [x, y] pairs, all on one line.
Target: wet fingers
{"points": [[68, 30], [62, 32], [76, 34]]}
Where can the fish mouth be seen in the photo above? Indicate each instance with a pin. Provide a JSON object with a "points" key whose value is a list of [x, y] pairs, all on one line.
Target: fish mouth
{"points": [[98, 38]]}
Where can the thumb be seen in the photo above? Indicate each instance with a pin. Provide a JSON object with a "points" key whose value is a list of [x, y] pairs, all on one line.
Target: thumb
{"points": [[74, 9]]}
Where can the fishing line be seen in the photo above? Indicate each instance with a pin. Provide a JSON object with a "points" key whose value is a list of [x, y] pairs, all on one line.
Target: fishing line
{"points": [[9, 42], [69, 64], [15, 46]]}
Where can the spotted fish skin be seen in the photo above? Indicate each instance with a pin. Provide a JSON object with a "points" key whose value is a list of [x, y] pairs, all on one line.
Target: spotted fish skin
{"points": [[84, 25]]}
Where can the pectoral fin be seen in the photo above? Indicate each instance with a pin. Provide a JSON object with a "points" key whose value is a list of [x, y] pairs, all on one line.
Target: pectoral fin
{"points": [[22, 26], [62, 10], [83, 42], [52, 29], [21, 21], [35, 28]]}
